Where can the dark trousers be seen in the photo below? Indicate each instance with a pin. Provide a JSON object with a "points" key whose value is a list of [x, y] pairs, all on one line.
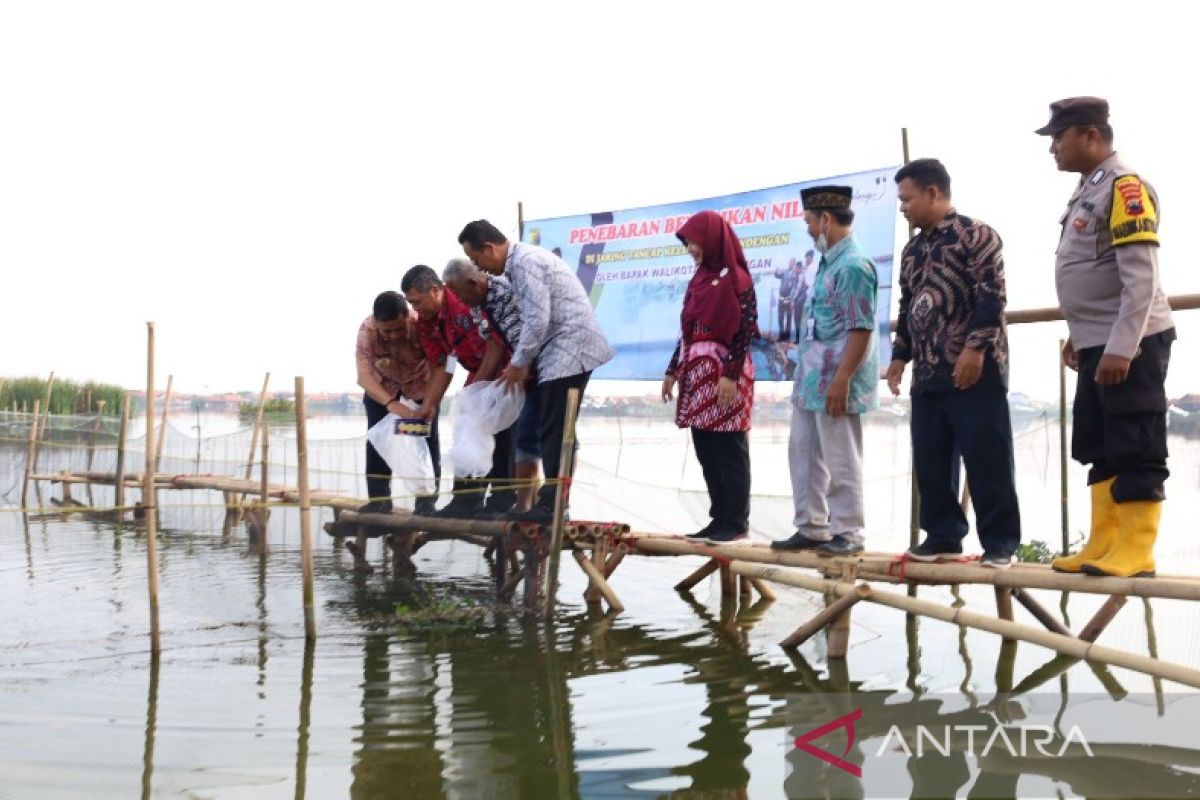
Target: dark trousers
{"points": [[974, 423], [725, 459], [785, 320], [528, 437], [379, 474], [1122, 430], [553, 397], [503, 495]]}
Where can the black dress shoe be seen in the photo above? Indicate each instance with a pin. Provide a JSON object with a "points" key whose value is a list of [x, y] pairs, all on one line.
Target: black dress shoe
{"points": [[457, 510], [425, 506], [839, 546], [703, 532], [724, 536], [376, 507], [797, 541]]}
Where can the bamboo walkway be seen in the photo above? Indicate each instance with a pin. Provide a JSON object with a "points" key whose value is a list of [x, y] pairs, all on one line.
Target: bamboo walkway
{"points": [[520, 554]]}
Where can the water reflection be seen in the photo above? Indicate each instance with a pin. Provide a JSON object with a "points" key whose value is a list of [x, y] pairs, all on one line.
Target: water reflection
{"points": [[302, 729], [489, 712], [28, 546], [667, 700], [1120, 769], [151, 727]]}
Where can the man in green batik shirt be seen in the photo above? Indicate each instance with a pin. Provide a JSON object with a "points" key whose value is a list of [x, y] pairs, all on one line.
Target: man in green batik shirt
{"points": [[836, 382]]}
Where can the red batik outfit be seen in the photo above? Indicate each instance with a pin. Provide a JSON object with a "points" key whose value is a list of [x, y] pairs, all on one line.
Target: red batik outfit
{"points": [[720, 317]]}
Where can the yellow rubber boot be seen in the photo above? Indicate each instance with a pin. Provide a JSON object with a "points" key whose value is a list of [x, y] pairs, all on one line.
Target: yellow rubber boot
{"points": [[1104, 530], [1133, 554]]}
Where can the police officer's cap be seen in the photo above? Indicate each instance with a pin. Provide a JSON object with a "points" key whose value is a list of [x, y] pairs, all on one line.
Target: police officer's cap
{"points": [[826, 198], [1083, 111]]}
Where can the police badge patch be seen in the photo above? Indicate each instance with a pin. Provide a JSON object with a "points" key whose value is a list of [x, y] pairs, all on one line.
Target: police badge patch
{"points": [[1133, 219]]}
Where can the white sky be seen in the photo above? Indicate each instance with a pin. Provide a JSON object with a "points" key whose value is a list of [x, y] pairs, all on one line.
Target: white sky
{"points": [[249, 175]]}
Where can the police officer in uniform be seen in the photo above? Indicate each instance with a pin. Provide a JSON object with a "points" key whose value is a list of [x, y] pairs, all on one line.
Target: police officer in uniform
{"points": [[1121, 331]]}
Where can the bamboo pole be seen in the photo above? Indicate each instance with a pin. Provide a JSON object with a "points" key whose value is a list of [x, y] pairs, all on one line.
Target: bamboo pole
{"points": [[421, 538], [119, 478], [558, 722], [258, 421], [1110, 682], [31, 454], [310, 622], [162, 428], [531, 563], [728, 583], [1039, 612], [46, 405], [264, 489], [614, 602], [1096, 625], [149, 502], [91, 445], [305, 725], [1062, 447], [151, 729], [566, 466], [1004, 609], [404, 521], [914, 508], [1179, 302], [500, 567], [264, 486], [591, 595], [1066, 645], [614, 561], [764, 591], [1152, 649], [822, 618], [837, 638], [402, 550], [91, 450], [706, 569], [880, 567]]}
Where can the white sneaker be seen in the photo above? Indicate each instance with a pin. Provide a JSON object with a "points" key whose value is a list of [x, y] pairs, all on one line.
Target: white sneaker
{"points": [[994, 561]]}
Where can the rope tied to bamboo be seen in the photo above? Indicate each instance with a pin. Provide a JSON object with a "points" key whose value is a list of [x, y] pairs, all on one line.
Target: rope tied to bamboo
{"points": [[900, 562], [700, 549]]}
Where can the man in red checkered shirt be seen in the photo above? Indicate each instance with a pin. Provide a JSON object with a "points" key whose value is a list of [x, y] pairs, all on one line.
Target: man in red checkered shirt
{"points": [[450, 336]]}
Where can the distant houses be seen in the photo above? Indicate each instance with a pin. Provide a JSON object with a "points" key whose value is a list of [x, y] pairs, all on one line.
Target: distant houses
{"points": [[1189, 403], [1184, 416], [231, 402]]}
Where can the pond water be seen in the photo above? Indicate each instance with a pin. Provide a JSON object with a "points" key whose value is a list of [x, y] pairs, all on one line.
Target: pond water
{"points": [[680, 696]]}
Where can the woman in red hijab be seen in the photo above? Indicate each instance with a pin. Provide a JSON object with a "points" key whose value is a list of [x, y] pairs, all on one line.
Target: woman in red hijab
{"points": [[714, 371]]}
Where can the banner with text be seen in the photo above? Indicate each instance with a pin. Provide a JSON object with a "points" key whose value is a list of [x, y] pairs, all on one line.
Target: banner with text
{"points": [[636, 270]]}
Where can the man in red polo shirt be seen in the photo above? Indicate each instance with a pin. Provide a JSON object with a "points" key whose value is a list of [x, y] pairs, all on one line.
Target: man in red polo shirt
{"points": [[450, 336]]}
